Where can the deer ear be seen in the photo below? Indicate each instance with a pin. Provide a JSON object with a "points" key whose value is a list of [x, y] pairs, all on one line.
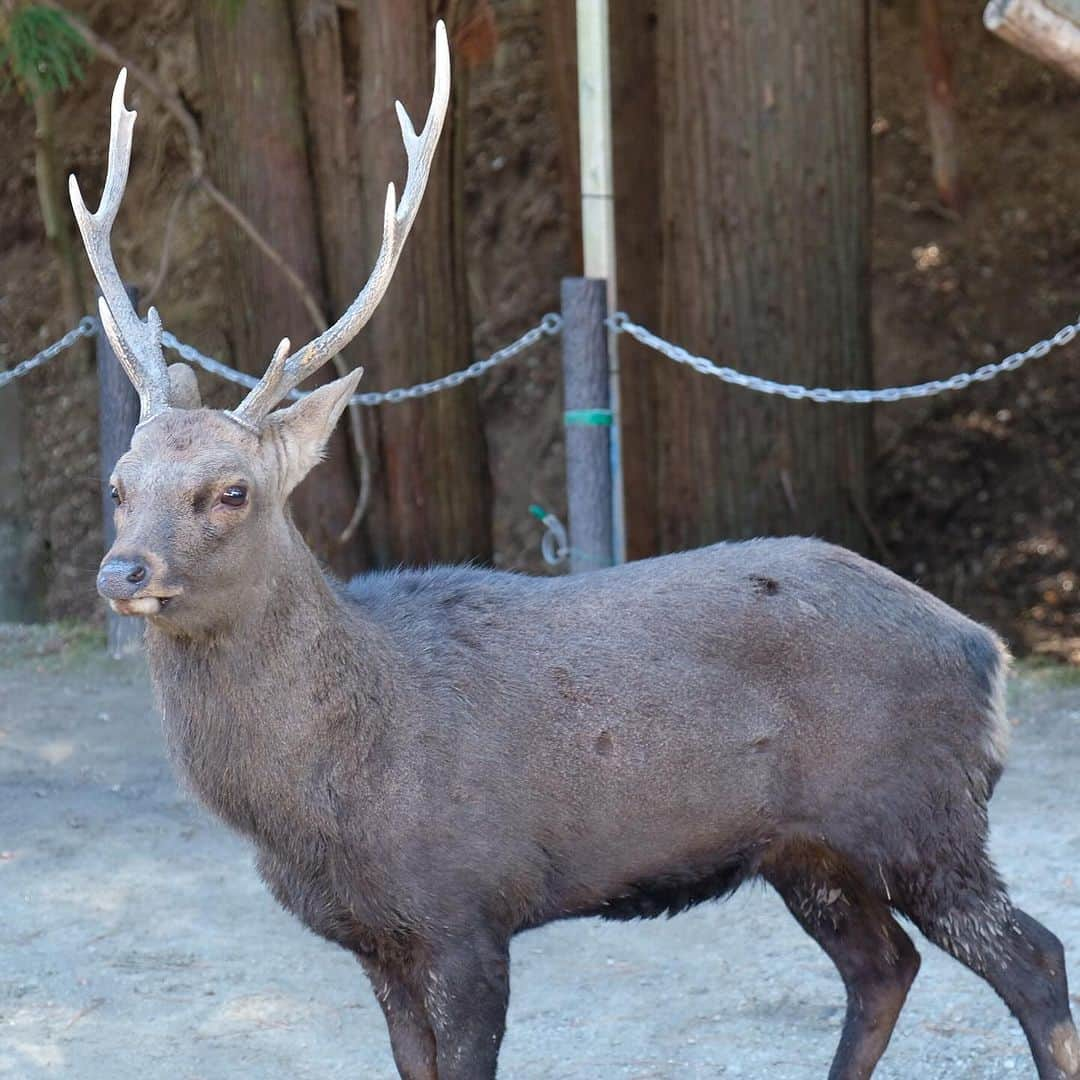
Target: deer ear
{"points": [[306, 427], [183, 388]]}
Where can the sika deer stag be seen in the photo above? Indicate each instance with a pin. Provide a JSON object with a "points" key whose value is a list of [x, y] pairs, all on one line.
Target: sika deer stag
{"points": [[430, 761]]}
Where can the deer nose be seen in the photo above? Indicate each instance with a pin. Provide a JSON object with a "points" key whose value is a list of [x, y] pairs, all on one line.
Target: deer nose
{"points": [[121, 578]]}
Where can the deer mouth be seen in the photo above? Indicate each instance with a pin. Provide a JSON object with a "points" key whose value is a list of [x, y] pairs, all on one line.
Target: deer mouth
{"points": [[141, 605]]}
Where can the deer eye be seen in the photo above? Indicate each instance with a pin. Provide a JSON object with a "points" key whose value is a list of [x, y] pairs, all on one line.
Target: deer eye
{"points": [[234, 495], [114, 494]]}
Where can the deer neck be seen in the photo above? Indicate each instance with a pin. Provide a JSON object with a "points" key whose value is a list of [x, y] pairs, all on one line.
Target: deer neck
{"points": [[247, 711]]}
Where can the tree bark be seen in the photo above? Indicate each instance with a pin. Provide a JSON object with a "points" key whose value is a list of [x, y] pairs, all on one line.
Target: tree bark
{"points": [[560, 57], [636, 138], [431, 499], [254, 120], [764, 200]]}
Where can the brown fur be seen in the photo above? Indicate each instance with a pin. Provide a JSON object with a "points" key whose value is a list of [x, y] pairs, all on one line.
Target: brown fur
{"points": [[429, 762]]}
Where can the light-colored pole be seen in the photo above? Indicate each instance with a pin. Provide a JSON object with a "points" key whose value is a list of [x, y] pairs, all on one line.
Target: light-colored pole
{"points": [[598, 207]]}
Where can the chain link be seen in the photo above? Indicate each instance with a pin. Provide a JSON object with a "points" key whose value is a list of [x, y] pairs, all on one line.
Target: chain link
{"points": [[87, 328], [549, 326], [621, 323]]}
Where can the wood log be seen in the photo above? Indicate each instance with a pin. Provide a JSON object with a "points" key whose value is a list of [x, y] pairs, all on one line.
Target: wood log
{"points": [[1047, 29], [764, 254], [257, 154], [431, 498], [635, 136]]}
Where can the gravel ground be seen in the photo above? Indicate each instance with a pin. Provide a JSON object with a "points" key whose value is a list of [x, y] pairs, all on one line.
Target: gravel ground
{"points": [[139, 943]]}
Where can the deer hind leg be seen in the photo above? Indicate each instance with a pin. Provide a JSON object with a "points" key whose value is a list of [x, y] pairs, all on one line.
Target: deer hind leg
{"points": [[873, 955], [967, 912]]}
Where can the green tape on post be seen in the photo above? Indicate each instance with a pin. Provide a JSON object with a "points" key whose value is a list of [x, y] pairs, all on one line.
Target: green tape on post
{"points": [[589, 417]]}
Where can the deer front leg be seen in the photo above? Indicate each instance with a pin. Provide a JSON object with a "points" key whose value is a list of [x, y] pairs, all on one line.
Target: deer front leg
{"points": [[411, 1038], [466, 988]]}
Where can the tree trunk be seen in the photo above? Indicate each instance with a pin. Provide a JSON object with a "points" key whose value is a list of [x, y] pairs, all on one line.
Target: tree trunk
{"points": [[431, 498], [254, 119], [560, 57], [636, 137], [764, 266]]}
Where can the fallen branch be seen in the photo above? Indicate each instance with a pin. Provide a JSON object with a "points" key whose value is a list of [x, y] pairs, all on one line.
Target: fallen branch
{"points": [[1048, 31]]}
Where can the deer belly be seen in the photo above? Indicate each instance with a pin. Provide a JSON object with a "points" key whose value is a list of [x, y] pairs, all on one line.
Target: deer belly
{"points": [[306, 889]]}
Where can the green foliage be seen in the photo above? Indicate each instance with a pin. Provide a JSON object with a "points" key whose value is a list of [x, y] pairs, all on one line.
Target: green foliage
{"points": [[40, 49]]}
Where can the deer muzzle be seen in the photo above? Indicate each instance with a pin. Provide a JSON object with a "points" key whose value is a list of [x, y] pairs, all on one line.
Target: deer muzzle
{"points": [[129, 583]]}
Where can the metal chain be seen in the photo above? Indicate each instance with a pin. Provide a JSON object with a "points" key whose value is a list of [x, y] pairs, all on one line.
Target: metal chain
{"points": [[549, 326], [620, 323], [87, 327]]}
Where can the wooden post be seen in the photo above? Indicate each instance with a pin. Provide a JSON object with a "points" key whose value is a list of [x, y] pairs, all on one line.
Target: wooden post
{"points": [[764, 107], [1048, 29], [118, 411], [21, 593], [586, 395]]}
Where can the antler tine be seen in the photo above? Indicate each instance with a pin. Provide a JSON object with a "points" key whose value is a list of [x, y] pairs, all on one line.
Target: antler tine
{"points": [[283, 376], [136, 343]]}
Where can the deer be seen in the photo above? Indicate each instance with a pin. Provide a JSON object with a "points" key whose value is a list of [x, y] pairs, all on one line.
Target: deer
{"points": [[428, 762]]}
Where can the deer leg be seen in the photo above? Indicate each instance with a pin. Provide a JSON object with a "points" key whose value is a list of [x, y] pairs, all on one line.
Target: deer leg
{"points": [[466, 988], [875, 958], [970, 916], [411, 1038]]}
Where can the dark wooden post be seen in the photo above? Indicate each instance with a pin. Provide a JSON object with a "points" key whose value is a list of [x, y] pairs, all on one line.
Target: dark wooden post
{"points": [[588, 423], [20, 551], [118, 410], [764, 205]]}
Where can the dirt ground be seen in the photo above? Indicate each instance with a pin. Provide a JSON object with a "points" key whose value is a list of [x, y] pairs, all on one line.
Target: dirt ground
{"points": [[139, 943]]}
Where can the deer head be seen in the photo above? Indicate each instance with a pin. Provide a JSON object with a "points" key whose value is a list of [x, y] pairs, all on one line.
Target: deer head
{"points": [[201, 494]]}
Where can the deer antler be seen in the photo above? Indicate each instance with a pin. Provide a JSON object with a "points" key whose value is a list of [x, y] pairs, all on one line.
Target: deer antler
{"points": [[286, 372], [136, 343]]}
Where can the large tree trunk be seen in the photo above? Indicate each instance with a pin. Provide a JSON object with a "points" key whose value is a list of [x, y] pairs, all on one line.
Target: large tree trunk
{"points": [[763, 108], [254, 119], [560, 58], [305, 143], [432, 491], [636, 139]]}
